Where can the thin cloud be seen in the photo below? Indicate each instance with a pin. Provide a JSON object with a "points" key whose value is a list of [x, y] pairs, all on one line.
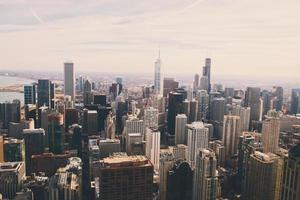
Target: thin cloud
{"points": [[36, 16]]}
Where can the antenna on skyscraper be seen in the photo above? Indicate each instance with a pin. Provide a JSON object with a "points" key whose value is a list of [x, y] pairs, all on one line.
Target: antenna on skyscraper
{"points": [[158, 51]]}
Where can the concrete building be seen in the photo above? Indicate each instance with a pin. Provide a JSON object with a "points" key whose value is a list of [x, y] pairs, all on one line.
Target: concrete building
{"points": [[180, 129], [198, 137], [231, 134], [167, 161], [151, 117], [12, 174], [270, 132], [205, 176], [120, 176]]}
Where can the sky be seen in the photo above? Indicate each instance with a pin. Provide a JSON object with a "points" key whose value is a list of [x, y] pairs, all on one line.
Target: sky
{"points": [[242, 37]]}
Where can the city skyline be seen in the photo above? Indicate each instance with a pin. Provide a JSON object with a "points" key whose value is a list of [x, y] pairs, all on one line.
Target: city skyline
{"points": [[111, 36]]}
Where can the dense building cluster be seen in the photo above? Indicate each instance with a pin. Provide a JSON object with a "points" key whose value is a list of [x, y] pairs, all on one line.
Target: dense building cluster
{"points": [[166, 141]]}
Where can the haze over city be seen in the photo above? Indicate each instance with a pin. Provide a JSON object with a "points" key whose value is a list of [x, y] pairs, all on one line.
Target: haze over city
{"points": [[242, 37]]}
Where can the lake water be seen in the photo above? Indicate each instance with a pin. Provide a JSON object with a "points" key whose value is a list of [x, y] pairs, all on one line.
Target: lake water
{"points": [[7, 81]]}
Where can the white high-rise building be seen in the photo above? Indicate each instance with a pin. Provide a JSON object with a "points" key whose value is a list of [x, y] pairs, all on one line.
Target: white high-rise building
{"points": [[244, 114], [203, 102], [231, 134], [151, 117], [133, 125], [198, 137], [157, 76], [69, 80], [270, 132], [180, 126], [205, 176], [153, 147]]}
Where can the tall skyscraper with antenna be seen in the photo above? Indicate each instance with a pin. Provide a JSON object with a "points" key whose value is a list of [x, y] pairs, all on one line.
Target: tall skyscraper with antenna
{"points": [[157, 75]]}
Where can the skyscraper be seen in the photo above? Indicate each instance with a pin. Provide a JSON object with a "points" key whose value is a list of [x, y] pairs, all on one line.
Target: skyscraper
{"points": [[34, 145], [69, 80], [30, 94], [180, 181], [270, 132], [153, 147], [166, 163], [205, 176], [1, 149], [291, 175], [45, 93], [157, 76], [151, 117], [295, 101], [196, 82], [231, 134], [180, 136], [56, 133], [12, 174], [14, 150], [244, 114], [206, 72], [252, 100], [198, 137], [90, 122], [203, 104], [123, 177], [263, 177], [10, 112], [175, 107]]}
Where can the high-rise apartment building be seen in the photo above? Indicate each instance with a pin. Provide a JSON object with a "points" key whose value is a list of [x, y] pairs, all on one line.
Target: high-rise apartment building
{"points": [[198, 137], [123, 177], [69, 80], [231, 134], [203, 104], [205, 176], [244, 114], [270, 132]]}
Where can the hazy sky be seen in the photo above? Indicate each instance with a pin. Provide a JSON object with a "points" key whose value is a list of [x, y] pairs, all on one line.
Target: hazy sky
{"points": [[241, 36]]}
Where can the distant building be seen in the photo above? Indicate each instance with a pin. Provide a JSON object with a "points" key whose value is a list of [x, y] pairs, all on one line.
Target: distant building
{"points": [[69, 80], [158, 76], [252, 100], [133, 176], [295, 102], [45, 93], [30, 94]]}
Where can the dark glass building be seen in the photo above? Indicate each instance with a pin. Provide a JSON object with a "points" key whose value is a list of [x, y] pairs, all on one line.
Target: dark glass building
{"points": [[180, 180], [175, 106]]}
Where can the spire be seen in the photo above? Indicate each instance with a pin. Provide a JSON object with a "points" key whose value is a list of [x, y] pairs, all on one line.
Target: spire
{"points": [[159, 52]]}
